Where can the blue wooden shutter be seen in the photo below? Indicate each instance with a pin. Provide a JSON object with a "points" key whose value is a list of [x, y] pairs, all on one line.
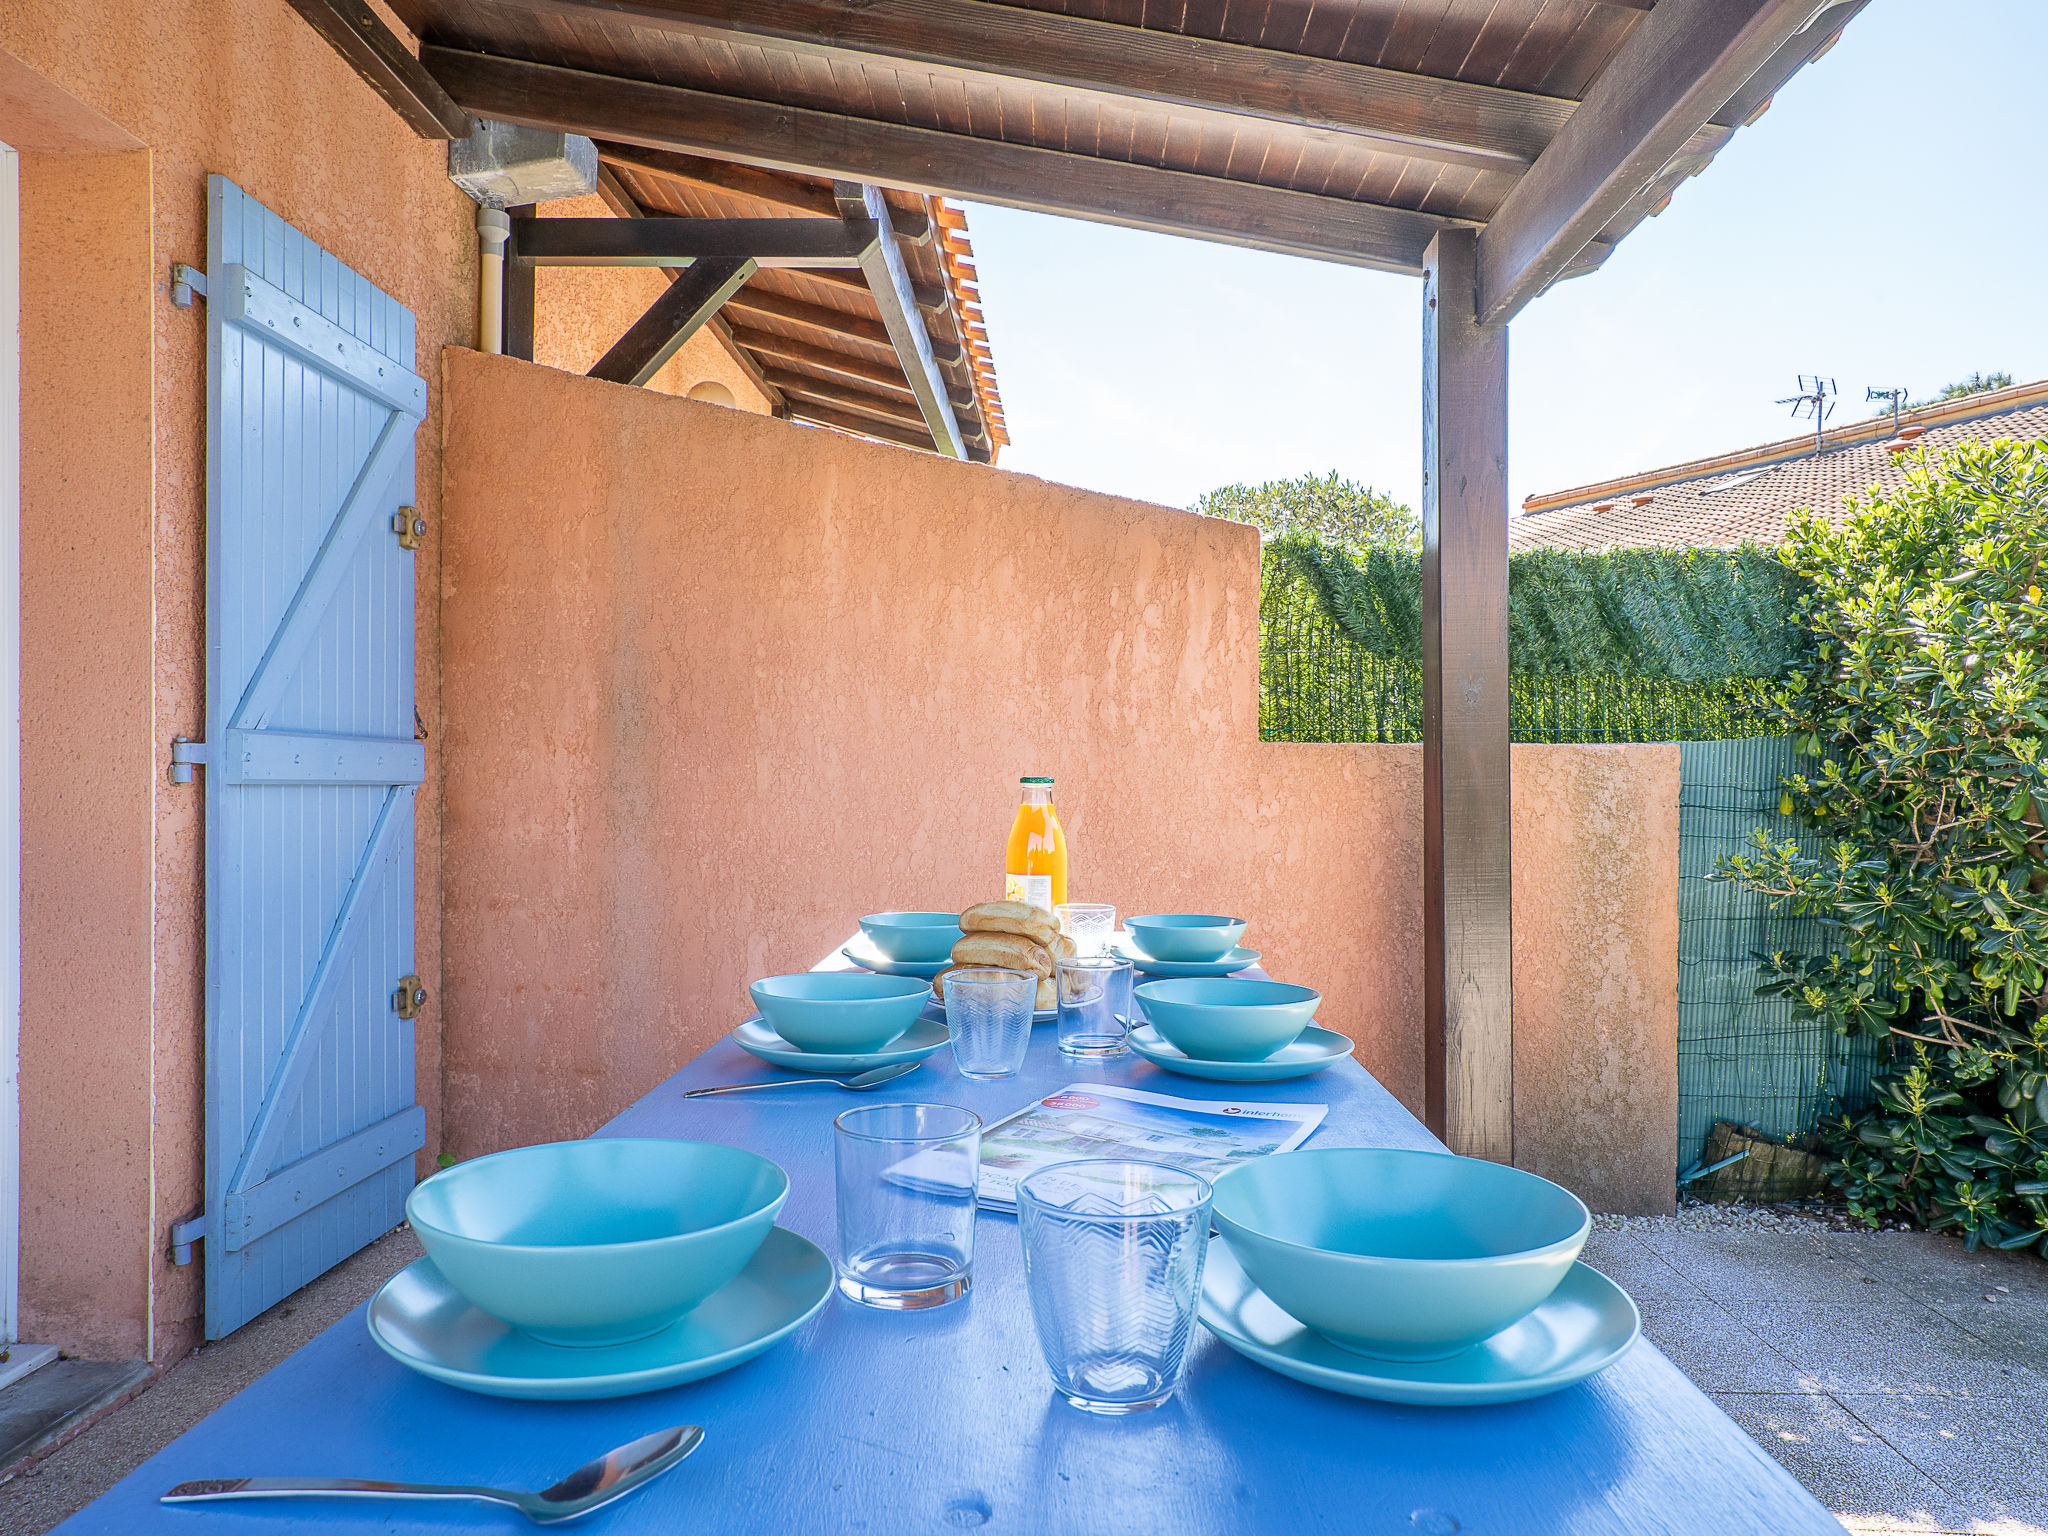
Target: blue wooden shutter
{"points": [[311, 407]]}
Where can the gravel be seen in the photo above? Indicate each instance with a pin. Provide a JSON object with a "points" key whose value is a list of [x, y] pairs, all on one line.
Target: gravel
{"points": [[1719, 1216]]}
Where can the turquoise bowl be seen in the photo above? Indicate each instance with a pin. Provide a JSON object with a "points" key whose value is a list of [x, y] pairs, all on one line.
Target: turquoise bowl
{"points": [[600, 1241], [843, 1011], [915, 938], [1185, 935], [1399, 1255], [1228, 1018]]}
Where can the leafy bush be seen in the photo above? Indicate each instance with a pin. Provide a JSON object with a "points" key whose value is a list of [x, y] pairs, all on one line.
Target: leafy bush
{"points": [[1925, 704]]}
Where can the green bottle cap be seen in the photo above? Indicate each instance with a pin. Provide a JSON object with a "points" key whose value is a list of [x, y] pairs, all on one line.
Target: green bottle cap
{"points": [[1035, 779]]}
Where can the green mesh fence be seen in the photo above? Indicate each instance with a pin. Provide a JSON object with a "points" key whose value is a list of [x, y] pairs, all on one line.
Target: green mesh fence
{"points": [[1317, 684], [1741, 1057]]}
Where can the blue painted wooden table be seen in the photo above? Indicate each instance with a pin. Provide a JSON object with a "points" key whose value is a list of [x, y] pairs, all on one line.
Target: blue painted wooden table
{"points": [[940, 1421]]}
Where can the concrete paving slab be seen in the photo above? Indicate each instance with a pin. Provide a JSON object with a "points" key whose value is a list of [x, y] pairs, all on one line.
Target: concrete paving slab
{"points": [[1990, 1454], [2015, 1325], [1841, 1460], [1762, 1266], [1938, 1269], [1716, 1351], [1889, 1344], [1637, 1268]]}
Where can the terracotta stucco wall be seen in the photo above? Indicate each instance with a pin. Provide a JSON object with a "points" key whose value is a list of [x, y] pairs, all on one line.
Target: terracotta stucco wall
{"points": [[87, 752], [718, 684], [114, 518]]}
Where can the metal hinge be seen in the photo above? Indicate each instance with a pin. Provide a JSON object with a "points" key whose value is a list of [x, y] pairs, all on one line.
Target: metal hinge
{"points": [[409, 526], [186, 755], [185, 1233], [187, 284], [409, 999]]}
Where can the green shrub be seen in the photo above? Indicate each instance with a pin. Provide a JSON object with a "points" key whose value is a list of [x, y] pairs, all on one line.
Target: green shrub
{"points": [[1925, 705]]}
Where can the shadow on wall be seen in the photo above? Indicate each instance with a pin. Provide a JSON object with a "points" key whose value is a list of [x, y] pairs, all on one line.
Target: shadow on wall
{"points": [[719, 684]]}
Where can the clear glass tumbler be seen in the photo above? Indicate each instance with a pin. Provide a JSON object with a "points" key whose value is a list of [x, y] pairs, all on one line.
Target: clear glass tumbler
{"points": [[1095, 1005], [1113, 1255], [1090, 924], [906, 1184], [988, 1016]]}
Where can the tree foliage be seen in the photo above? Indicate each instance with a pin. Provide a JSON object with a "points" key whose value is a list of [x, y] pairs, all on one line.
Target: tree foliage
{"points": [[1327, 508], [1977, 383], [1924, 702]]}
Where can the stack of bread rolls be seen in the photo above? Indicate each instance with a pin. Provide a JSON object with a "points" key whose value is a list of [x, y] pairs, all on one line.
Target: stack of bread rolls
{"points": [[1016, 937]]}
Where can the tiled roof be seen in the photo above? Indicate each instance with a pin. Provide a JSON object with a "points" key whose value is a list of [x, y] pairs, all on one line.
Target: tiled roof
{"points": [[1749, 497]]}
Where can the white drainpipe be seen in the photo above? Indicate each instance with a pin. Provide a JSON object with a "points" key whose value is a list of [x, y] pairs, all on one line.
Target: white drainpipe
{"points": [[493, 226]]}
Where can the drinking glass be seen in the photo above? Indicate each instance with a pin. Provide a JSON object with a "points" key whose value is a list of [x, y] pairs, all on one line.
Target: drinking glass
{"points": [[1090, 924], [1095, 1005], [1113, 1253], [906, 1176], [988, 1016]]}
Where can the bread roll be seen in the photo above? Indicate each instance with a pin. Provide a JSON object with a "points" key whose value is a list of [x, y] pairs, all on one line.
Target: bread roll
{"points": [[1010, 950], [1048, 994], [1033, 923], [1062, 947]]}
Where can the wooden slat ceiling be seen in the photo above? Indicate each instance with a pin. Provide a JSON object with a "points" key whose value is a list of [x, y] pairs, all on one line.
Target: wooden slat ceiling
{"points": [[815, 338], [1320, 126]]}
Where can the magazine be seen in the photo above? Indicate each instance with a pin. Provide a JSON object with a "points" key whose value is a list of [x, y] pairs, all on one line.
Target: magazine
{"points": [[1102, 1120]]}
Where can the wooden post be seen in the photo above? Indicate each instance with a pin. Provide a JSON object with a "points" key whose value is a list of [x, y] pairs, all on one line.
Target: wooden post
{"points": [[519, 294], [1468, 997]]}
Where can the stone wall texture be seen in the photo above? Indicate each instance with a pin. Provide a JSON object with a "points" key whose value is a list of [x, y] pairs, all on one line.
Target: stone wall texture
{"points": [[717, 684]]}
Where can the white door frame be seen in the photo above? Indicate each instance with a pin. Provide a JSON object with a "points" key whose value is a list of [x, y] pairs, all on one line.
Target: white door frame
{"points": [[10, 745]]}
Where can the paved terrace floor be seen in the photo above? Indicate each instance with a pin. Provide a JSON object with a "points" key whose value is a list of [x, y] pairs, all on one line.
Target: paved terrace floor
{"points": [[1902, 1379]]}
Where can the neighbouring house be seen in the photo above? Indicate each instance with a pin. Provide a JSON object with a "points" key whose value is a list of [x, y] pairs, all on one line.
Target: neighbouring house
{"points": [[1749, 496]]}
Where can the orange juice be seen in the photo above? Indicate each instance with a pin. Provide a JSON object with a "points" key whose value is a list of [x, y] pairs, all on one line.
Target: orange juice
{"points": [[1035, 863]]}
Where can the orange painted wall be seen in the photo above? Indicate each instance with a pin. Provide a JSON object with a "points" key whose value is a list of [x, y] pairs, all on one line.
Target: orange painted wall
{"points": [[87, 752], [114, 530], [718, 684]]}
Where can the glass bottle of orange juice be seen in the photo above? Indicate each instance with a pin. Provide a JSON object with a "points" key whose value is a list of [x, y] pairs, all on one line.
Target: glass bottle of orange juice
{"points": [[1035, 863]]}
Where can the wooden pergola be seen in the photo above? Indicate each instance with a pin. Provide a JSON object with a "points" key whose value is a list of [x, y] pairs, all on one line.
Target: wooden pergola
{"points": [[1489, 147]]}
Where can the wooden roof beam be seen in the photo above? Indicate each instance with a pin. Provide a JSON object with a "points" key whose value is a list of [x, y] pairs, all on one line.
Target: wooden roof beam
{"points": [[374, 51], [1452, 122], [669, 242], [621, 202], [745, 181], [882, 263], [846, 421], [818, 143], [683, 309], [1677, 67]]}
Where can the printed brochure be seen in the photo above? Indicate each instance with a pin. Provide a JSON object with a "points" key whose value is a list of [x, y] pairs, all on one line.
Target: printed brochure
{"points": [[1091, 1120]]}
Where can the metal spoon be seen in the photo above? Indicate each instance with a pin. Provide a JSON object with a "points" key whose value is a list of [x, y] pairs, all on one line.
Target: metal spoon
{"points": [[611, 1476], [874, 1077]]}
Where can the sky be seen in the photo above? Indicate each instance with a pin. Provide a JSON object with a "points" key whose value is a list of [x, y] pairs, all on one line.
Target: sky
{"points": [[1884, 223]]}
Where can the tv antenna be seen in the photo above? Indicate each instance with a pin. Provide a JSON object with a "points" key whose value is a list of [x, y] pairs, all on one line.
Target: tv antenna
{"points": [[1813, 395], [1893, 395]]}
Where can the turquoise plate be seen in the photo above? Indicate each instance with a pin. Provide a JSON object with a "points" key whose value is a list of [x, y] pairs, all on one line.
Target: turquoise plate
{"points": [[1311, 1051], [758, 1038], [869, 958], [1586, 1325], [1237, 960], [422, 1321]]}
